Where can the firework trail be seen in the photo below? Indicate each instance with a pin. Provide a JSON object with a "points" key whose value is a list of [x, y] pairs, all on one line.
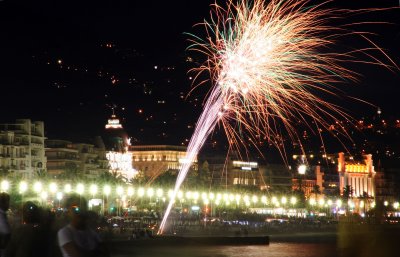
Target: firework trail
{"points": [[266, 62]]}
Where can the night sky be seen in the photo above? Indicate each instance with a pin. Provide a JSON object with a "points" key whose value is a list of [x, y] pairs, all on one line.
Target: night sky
{"points": [[68, 63]]}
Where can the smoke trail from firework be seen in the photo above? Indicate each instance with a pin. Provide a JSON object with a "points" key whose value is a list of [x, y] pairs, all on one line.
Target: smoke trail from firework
{"points": [[266, 62]]}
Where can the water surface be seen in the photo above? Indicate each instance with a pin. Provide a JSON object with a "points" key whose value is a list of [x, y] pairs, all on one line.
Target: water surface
{"points": [[272, 250]]}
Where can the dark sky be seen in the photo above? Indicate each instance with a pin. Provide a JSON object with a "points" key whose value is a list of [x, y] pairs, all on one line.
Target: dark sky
{"points": [[131, 55]]}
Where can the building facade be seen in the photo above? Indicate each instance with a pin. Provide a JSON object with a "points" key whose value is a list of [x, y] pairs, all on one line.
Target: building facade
{"points": [[93, 161], [359, 175], [276, 178], [153, 160], [22, 151], [62, 158], [66, 159], [230, 171]]}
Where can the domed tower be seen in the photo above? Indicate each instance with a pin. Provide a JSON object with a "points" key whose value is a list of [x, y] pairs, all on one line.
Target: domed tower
{"points": [[115, 138]]}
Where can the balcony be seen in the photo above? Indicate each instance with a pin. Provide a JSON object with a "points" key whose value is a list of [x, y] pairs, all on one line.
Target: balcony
{"points": [[35, 157], [37, 145]]}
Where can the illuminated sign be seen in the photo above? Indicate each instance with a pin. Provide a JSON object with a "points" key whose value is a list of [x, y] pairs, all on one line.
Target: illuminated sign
{"points": [[113, 123], [248, 164]]}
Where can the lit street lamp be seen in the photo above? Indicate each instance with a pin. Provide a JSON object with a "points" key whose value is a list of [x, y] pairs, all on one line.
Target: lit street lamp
{"points": [[302, 169]]}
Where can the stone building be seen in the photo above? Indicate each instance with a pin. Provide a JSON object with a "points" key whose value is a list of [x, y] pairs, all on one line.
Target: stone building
{"points": [[358, 174], [153, 160]]}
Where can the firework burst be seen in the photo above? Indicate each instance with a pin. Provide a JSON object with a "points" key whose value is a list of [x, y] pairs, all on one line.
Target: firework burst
{"points": [[268, 62]]}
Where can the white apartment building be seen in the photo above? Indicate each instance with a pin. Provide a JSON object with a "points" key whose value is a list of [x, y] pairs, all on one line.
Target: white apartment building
{"points": [[22, 152]]}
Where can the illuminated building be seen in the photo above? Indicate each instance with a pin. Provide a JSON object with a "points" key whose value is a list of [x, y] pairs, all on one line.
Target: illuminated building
{"points": [[116, 143], [244, 173], [66, 157], [113, 123], [62, 157], [93, 161], [22, 148], [115, 138], [230, 171], [309, 181], [153, 160], [121, 163], [359, 175]]}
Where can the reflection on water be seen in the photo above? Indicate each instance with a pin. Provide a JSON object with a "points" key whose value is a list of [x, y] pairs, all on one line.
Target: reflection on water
{"points": [[352, 240], [272, 250]]}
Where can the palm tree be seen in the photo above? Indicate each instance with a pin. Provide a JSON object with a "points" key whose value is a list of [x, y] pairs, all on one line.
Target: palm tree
{"points": [[316, 190], [112, 177], [347, 194], [140, 179], [365, 197], [166, 180], [71, 172], [42, 174]]}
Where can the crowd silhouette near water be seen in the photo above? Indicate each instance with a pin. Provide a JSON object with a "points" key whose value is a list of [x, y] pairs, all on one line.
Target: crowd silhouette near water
{"points": [[40, 232]]}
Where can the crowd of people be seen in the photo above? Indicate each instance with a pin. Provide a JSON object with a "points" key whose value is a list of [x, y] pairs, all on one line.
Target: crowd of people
{"points": [[40, 234]]}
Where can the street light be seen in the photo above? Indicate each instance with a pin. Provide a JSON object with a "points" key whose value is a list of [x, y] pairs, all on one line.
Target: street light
{"points": [[106, 192], [23, 186], [80, 188], [93, 190], [37, 187], [150, 193], [264, 200], [293, 200], [44, 195], [130, 191], [59, 197], [302, 169], [254, 199], [159, 193], [5, 185], [53, 187], [67, 188]]}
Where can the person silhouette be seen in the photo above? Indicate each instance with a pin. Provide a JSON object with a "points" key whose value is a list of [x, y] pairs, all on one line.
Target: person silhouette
{"points": [[77, 239], [30, 239], [5, 230]]}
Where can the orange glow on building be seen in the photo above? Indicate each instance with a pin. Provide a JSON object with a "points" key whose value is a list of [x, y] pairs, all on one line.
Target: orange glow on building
{"points": [[356, 168], [359, 176]]}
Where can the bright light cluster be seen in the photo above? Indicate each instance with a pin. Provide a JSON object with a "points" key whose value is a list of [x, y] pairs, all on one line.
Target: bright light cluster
{"points": [[121, 163], [58, 191]]}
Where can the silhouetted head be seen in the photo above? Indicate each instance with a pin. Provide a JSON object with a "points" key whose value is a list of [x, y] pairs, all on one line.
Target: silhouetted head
{"points": [[30, 213], [76, 207]]}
